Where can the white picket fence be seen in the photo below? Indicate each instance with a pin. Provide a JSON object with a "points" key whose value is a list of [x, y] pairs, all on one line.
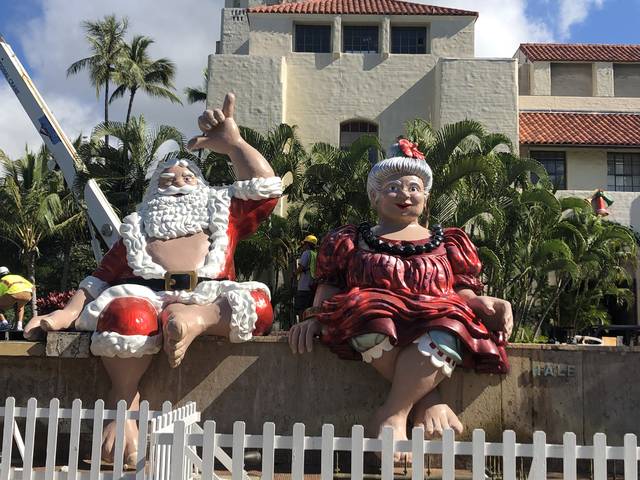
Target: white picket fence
{"points": [[54, 415], [173, 446]]}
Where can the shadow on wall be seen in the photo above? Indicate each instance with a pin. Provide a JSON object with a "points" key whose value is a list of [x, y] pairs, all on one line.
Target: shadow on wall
{"points": [[634, 214], [418, 101]]}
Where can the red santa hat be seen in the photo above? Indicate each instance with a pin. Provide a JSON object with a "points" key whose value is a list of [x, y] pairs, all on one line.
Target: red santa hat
{"points": [[124, 319]]}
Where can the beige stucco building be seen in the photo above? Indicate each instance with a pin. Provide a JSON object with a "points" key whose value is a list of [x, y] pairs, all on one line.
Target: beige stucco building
{"points": [[337, 69]]}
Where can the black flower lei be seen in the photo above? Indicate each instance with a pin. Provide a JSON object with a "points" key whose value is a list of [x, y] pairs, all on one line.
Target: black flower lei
{"points": [[376, 244]]}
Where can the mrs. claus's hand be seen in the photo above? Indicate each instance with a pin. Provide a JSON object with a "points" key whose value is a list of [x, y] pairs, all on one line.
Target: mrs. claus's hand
{"points": [[495, 313]]}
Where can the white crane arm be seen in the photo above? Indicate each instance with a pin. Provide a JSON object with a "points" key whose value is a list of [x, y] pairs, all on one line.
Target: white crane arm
{"points": [[99, 209]]}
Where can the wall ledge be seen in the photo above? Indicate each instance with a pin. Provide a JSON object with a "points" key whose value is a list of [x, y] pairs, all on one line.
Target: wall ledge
{"points": [[76, 345]]}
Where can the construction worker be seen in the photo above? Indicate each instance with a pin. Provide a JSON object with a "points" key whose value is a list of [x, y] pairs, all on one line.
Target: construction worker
{"points": [[16, 292], [306, 275]]}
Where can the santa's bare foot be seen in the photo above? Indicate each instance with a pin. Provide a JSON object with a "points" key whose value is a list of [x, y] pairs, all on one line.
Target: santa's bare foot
{"points": [[179, 331], [57, 320], [436, 419], [398, 422], [130, 442]]}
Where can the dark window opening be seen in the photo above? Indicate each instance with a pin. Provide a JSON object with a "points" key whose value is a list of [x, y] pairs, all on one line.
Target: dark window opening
{"points": [[360, 39], [623, 172], [313, 38], [412, 40], [555, 163], [351, 131]]}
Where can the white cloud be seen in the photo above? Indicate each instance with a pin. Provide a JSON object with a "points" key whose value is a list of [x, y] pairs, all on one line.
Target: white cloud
{"points": [[16, 129], [573, 12], [501, 26], [184, 32]]}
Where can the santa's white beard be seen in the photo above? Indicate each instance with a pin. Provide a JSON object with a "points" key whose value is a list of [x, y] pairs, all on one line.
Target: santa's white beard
{"points": [[172, 216]]}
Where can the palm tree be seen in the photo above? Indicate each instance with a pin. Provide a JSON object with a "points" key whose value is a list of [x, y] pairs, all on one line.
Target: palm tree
{"points": [[32, 207], [136, 71], [106, 40], [335, 185], [198, 94], [122, 169]]}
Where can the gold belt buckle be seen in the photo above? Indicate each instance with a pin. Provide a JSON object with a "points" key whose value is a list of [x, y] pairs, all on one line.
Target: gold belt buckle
{"points": [[169, 281]]}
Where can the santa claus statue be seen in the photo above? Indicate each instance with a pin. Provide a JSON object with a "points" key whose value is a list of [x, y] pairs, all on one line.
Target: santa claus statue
{"points": [[171, 276]]}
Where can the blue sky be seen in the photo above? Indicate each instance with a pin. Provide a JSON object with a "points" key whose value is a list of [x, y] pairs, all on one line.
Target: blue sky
{"points": [[47, 36]]}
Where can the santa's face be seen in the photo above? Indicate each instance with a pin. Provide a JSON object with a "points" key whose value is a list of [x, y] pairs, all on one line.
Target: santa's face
{"points": [[179, 206], [177, 180]]}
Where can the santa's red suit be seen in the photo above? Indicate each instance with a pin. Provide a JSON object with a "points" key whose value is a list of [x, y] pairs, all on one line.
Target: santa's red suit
{"points": [[128, 286]]}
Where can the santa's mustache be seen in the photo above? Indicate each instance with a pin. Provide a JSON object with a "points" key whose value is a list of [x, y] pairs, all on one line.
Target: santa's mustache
{"points": [[173, 190]]}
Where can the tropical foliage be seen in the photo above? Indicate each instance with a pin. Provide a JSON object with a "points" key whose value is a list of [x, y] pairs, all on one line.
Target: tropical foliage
{"points": [[33, 200]]}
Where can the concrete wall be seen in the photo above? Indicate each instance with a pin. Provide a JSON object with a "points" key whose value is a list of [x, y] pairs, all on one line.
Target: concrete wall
{"points": [[258, 82], [579, 104], [485, 90], [602, 79], [550, 388], [272, 34], [323, 91], [234, 31]]}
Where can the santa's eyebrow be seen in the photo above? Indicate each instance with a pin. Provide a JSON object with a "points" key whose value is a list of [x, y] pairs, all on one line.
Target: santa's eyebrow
{"points": [[167, 175]]}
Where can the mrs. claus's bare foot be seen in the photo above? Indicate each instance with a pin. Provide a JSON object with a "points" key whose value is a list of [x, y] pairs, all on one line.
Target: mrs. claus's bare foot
{"points": [[398, 422], [179, 330], [435, 419]]}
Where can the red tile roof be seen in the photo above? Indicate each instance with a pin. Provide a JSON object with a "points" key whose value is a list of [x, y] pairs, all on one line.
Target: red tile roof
{"points": [[580, 52], [545, 128], [359, 7]]}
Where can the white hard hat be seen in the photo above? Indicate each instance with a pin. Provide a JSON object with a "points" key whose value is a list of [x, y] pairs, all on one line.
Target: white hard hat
{"points": [[4, 270]]}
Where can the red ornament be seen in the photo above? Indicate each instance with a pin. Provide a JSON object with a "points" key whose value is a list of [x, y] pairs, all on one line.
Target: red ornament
{"points": [[410, 149], [129, 316], [264, 311]]}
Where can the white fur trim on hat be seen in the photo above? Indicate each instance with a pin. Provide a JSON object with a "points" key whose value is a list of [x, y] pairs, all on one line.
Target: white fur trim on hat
{"points": [[88, 319], [257, 188], [112, 344], [439, 359], [93, 286]]}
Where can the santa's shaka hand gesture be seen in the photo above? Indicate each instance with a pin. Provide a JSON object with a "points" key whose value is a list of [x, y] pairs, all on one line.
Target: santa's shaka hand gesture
{"points": [[220, 131]]}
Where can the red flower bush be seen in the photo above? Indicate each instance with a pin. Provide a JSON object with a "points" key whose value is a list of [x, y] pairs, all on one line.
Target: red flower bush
{"points": [[53, 301]]}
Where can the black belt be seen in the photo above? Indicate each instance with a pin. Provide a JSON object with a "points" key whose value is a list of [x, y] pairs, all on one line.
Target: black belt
{"points": [[171, 281]]}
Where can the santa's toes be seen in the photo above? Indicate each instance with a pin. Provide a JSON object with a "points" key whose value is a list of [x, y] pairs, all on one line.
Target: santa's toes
{"points": [[176, 330]]}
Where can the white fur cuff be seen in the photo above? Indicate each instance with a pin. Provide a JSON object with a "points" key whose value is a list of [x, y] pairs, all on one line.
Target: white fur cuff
{"points": [[257, 188], [112, 344], [93, 286], [243, 315]]}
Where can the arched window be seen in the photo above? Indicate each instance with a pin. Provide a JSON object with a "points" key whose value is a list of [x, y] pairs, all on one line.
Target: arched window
{"points": [[351, 130]]}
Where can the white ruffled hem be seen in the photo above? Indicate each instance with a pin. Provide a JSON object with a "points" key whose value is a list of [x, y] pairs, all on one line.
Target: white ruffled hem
{"points": [[93, 286], [439, 359], [112, 344], [376, 352], [257, 188]]}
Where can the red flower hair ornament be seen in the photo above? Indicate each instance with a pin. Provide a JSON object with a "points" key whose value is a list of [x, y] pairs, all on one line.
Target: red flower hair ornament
{"points": [[410, 149]]}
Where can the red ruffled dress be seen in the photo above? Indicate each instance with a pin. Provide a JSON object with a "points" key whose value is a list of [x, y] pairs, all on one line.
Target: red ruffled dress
{"points": [[404, 297]]}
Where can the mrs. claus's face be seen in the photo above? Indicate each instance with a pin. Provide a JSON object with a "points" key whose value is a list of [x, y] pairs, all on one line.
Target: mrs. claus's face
{"points": [[402, 197]]}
